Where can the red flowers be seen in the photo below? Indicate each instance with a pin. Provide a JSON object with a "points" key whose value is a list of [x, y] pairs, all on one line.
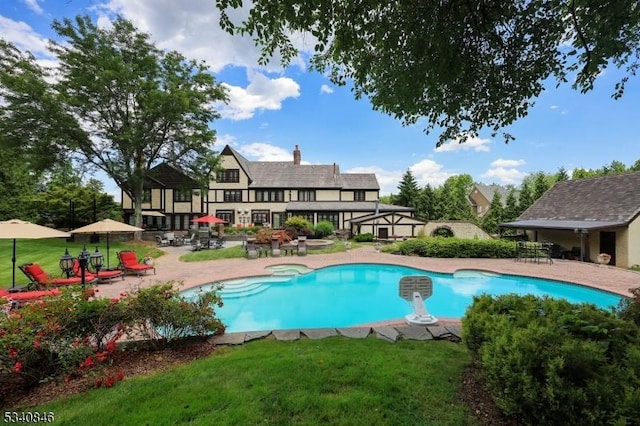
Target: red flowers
{"points": [[17, 368]]}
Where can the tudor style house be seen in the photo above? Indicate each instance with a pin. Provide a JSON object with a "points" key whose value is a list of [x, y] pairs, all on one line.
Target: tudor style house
{"points": [[269, 192], [589, 217]]}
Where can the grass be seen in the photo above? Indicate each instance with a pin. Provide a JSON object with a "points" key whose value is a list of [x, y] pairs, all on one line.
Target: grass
{"points": [[308, 382], [47, 253]]}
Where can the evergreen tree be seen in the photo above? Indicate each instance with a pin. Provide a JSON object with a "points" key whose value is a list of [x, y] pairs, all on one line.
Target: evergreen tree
{"points": [[525, 199], [408, 191], [562, 175], [540, 185], [426, 203], [495, 215], [511, 207]]}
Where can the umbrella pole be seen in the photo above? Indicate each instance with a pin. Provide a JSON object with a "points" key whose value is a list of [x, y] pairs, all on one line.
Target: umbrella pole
{"points": [[107, 250], [13, 260]]}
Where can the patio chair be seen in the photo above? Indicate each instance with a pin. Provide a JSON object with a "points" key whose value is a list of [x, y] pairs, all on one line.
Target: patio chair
{"points": [[129, 263], [162, 241], [40, 279]]}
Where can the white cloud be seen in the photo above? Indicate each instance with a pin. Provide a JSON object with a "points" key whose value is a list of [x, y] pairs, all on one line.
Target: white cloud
{"points": [[387, 179], [192, 28], [34, 6], [259, 151], [261, 93], [23, 36], [425, 171], [501, 162], [429, 172], [506, 171], [473, 143], [325, 89]]}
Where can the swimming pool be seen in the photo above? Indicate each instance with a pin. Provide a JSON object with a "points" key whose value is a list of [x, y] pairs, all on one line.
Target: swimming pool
{"points": [[356, 294]]}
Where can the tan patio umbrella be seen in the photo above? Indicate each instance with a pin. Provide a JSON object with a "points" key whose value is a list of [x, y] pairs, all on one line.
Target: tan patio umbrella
{"points": [[16, 229], [106, 226]]}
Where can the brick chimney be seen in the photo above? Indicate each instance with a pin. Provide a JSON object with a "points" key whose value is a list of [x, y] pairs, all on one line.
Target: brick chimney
{"points": [[296, 156]]}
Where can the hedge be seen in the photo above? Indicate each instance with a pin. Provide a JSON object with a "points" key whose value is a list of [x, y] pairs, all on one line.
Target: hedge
{"points": [[547, 361], [457, 247]]}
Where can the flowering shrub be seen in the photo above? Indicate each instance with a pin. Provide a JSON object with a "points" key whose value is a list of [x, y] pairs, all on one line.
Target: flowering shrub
{"points": [[265, 235], [75, 332], [160, 315]]}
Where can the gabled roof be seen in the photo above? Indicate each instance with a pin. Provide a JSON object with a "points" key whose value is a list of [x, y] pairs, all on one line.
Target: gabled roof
{"points": [[363, 181], [284, 174], [373, 217], [488, 191], [244, 163], [168, 176], [613, 199]]}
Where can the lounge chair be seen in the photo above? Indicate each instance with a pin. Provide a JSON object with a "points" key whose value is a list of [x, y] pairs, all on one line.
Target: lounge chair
{"points": [[22, 297], [42, 280], [130, 264], [100, 276]]}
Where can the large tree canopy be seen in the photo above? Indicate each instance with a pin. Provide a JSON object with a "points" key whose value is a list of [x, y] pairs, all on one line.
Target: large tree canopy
{"points": [[136, 105], [462, 65]]}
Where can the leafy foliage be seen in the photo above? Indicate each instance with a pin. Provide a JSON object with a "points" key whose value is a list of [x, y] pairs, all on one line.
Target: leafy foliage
{"points": [[457, 247], [550, 362], [138, 105], [367, 237], [76, 330], [408, 191], [463, 66], [323, 229]]}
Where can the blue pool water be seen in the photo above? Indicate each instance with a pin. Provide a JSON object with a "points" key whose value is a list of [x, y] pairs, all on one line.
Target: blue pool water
{"points": [[350, 295]]}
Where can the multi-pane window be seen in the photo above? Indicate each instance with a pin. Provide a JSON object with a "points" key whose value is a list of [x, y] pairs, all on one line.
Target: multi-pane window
{"points": [[358, 195], [182, 195], [232, 196], [260, 217], [329, 217], [225, 215], [278, 220], [146, 195], [306, 195], [269, 195], [228, 176]]}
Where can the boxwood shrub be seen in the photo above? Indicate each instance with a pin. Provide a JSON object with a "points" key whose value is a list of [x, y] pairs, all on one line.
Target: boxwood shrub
{"points": [[547, 361], [457, 247]]}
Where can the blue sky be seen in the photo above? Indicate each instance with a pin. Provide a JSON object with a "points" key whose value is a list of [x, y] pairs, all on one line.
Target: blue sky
{"points": [[272, 109]]}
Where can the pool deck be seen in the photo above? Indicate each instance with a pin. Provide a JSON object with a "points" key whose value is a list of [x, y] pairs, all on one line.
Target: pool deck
{"points": [[191, 274]]}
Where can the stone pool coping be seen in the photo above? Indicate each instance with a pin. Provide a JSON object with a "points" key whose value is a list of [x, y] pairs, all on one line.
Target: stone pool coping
{"points": [[389, 333]]}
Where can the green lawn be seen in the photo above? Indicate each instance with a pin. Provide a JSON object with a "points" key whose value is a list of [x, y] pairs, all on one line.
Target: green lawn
{"points": [[48, 252], [306, 382]]}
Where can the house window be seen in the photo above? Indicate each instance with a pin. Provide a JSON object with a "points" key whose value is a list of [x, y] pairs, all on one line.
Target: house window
{"points": [[278, 220], [146, 195], [269, 195], [182, 195], [329, 217], [306, 195], [228, 176], [225, 215], [358, 195], [232, 196], [260, 217]]}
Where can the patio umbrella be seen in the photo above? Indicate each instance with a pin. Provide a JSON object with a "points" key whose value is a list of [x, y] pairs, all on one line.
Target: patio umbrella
{"points": [[106, 226], [16, 229], [209, 219]]}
